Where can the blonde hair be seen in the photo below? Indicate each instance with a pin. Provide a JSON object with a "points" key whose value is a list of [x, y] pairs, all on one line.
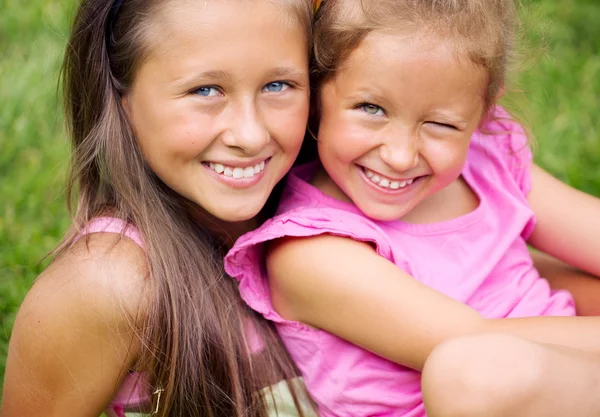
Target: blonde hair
{"points": [[483, 29]]}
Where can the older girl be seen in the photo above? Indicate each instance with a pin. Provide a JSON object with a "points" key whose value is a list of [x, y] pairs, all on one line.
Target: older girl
{"points": [[184, 115]]}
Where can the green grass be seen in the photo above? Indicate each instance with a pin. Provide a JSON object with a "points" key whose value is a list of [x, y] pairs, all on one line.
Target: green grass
{"points": [[560, 101], [560, 85], [33, 148]]}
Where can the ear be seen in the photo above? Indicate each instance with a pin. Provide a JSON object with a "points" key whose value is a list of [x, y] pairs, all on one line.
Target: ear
{"points": [[500, 93], [125, 102], [127, 105]]}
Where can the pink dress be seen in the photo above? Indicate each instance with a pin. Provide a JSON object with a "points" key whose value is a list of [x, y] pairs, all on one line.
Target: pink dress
{"points": [[480, 259]]}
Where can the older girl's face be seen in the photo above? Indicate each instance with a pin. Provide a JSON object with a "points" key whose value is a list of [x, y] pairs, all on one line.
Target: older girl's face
{"points": [[220, 106]]}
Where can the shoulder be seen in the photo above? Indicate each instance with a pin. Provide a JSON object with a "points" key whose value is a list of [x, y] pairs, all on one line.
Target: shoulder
{"points": [[316, 252], [302, 270], [102, 271], [307, 222], [502, 145], [98, 284], [76, 327], [500, 134], [295, 241]]}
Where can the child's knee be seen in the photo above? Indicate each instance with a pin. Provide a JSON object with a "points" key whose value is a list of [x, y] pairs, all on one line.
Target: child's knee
{"points": [[488, 374]]}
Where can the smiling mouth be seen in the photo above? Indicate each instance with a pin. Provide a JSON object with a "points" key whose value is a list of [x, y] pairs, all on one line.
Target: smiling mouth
{"points": [[385, 182], [237, 172]]}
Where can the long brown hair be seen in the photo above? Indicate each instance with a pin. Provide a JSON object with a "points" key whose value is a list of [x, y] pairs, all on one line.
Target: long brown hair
{"points": [[193, 341]]}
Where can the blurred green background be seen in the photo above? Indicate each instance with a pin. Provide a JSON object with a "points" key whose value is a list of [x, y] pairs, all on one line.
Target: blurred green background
{"points": [[556, 91]]}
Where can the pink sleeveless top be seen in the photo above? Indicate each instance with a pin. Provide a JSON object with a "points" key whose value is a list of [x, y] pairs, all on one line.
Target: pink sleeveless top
{"points": [[130, 397]]}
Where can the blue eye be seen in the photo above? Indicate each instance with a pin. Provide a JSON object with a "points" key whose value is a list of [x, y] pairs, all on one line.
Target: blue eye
{"points": [[275, 87], [371, 109], [206, 91]]}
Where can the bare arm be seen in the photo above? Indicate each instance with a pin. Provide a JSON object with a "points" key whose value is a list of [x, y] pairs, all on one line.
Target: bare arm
{"points": [[72, 342], [324, 282], [568, 222], [584, 287]]}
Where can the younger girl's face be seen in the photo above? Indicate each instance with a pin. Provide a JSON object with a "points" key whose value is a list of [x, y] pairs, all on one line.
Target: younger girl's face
{"points": [[219, 107], [396, 121]]}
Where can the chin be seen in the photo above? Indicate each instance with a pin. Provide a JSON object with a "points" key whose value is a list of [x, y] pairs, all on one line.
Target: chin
{"points": [[239, 214], [237, 218], [381, 215]]}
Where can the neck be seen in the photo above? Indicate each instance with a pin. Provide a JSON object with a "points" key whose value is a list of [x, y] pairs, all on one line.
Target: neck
{"points": [[323, 182], [226, 232], [232, 231]]}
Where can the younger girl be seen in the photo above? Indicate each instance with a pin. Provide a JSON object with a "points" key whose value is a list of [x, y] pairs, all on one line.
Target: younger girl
{"points": [[184, 115], [413, 229]]}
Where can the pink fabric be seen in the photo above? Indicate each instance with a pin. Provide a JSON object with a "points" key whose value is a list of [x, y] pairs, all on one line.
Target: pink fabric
{"points": [[130, 395], [481, 259]]}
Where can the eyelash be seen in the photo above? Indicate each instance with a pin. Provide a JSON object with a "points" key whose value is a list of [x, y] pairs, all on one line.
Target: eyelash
{"points": [[206, 87], [362, 107], [444, 125], [287, 84], [284, 84]]}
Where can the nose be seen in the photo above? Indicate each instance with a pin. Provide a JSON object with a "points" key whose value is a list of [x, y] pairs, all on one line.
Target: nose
{"points": [[247, 131], [401, 152]]}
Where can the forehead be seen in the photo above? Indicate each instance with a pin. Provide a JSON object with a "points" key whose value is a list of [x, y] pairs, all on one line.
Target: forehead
{"points": [[400, 51], [213, 22], [194, 32], [416, 61]]}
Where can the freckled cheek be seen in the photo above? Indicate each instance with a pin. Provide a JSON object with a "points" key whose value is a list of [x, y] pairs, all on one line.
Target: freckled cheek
{"points": [[187, 136]]}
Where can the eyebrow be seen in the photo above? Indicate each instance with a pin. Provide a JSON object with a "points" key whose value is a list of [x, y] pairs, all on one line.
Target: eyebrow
{"points": [[206, 76], [214, 74], [220, 75], [366, 95], [287, 72]]}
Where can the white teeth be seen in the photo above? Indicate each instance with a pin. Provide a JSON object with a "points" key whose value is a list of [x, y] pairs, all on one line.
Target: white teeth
{"points": [[386, 182], [237, 172]]}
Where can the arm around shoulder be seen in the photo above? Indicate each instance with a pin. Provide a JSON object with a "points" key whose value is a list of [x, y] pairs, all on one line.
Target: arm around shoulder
{"points": [[344, 287], [73, 340]]}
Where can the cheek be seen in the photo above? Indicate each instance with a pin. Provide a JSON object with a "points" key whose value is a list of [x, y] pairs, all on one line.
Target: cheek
{"points": [[176, 139], [447, 157], [288, 126], [343, 140], [187, 131]]}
